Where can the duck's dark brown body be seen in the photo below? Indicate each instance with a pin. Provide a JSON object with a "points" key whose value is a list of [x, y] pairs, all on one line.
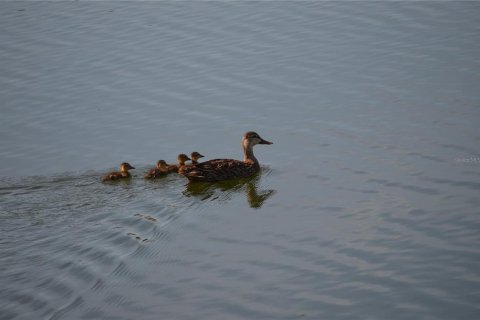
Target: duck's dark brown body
{"points": [[219, 170]]}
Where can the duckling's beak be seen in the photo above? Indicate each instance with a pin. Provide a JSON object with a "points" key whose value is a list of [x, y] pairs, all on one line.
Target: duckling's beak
{"points": [[262, 141]]}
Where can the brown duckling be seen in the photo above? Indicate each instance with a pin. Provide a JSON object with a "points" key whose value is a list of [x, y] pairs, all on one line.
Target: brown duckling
{"points": [[115, 175], [224, 169], [159, 171], [195, 156], [181, 162]]}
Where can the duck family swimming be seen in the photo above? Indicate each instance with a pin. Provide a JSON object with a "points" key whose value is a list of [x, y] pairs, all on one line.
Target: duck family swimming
{"points": [[225, 169], [208, 171]]}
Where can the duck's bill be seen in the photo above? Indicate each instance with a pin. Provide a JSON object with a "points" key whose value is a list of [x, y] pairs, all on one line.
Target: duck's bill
{"points": [[265, 142]]}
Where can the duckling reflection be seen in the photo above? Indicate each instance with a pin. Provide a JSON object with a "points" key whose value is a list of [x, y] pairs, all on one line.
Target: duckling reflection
{"points": [[225, 190]]}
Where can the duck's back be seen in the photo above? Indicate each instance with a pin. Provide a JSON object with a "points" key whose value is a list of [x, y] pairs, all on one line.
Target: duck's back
{"points": [[219, 169], [155, 173], [114, 175], [173, 168]]}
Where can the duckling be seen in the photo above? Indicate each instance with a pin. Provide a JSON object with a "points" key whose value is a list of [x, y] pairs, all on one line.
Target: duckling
{"points": [[115, 175], [159, 171], [181, 162], [224, 169], [195, 156]]}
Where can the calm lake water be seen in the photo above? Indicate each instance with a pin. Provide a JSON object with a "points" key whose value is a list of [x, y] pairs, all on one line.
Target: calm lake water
{"points": [[367, 206]]}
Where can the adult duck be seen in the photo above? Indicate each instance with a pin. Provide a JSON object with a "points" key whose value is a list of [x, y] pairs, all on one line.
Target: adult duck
{"points": [[122, 174], [224, 169]]}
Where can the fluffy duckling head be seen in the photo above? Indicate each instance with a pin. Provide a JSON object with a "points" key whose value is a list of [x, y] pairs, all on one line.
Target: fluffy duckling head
{"points": [[195, 156], [125, 166], [182, 158], [161, 164]]}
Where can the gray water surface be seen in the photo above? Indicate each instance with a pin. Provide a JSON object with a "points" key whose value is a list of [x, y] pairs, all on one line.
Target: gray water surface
{"points": [[367, 205]]}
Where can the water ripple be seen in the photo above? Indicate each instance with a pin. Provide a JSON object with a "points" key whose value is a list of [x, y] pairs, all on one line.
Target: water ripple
{"points": [[363, 205]]}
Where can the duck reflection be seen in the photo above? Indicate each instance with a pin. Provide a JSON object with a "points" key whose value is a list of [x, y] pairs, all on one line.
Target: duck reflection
{"points": [[225, 190]]}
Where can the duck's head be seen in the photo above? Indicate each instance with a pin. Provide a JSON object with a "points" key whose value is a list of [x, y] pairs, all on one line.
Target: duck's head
{"points": [[182, 158], [125, 166], [161, 164], [195, 156], [252, 138]]}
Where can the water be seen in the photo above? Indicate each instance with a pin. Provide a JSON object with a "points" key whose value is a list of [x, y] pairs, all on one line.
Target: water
{"points": [[367, 203]]}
